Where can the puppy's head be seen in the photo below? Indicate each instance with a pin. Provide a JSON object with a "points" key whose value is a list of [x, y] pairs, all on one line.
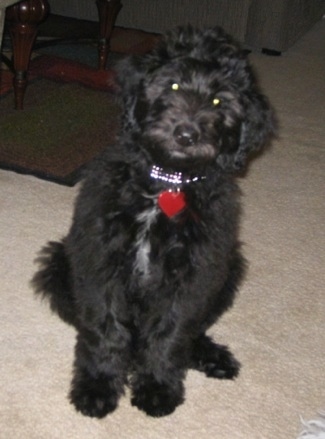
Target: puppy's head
{"points": [[194, 101]]}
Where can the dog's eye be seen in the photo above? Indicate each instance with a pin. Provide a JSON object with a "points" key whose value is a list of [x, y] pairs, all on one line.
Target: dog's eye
{"points": [[175, 86], [216, 102]]}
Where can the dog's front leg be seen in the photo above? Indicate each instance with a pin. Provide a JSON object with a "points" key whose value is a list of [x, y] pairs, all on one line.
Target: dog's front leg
{"points": [[100, 371], [157, 383]]}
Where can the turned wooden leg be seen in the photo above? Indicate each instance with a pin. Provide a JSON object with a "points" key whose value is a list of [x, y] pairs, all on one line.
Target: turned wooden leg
{"points": [[24, 18], [107, 11]]}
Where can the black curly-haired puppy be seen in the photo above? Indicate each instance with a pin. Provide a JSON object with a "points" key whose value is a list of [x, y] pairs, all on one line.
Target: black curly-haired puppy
{"points": [[152, 258]]}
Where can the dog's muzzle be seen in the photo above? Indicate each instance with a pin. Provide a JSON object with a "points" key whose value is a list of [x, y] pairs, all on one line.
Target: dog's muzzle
{"points": [[186, 135]]}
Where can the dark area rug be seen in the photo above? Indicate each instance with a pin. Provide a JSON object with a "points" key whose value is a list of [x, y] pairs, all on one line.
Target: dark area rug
{"points": [[62, 127], [71, 112], [66, 121]]}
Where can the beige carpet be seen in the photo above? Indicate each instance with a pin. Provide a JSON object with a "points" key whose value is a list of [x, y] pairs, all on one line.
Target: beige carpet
{"points": [[276, 328]]}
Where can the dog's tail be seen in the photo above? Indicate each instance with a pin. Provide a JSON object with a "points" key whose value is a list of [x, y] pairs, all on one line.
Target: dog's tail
{"points": [[53, 281]]}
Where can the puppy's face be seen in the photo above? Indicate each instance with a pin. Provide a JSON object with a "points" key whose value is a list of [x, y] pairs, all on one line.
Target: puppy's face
{"points": [[194, 101], [189, 114]]}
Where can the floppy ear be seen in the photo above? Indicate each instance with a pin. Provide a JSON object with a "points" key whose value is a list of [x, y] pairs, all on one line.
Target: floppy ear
{"points": [[131, 72], [131, 75], [257, 127]]}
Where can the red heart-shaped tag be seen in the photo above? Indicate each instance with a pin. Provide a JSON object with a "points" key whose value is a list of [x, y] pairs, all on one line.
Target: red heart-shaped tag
{"points": [[171, 202]]}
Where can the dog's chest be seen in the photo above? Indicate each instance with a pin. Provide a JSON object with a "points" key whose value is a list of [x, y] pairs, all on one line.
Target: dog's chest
{"points": [[142, 245], [160, 247]]}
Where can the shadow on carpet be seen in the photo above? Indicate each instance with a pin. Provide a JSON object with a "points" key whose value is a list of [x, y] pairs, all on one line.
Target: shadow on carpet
{"points": [[64, 124]]}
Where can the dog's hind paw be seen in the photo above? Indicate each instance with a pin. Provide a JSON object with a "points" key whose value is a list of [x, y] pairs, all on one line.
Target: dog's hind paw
{"points": [[215, 360], [157, 399]]}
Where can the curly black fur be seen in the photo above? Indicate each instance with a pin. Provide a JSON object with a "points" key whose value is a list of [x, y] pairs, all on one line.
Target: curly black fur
{"points": [[142, 288]]}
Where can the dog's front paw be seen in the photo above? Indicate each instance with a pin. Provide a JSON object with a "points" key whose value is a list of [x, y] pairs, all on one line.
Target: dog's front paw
{"points": [[94, 398], [157, 399], [216, 361], [91, 403]]}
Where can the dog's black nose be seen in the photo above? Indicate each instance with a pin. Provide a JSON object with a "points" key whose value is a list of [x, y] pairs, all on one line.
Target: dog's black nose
{"points": [[186, 135]]}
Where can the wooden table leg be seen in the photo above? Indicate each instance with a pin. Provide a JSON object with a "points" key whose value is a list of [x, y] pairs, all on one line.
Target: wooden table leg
{"points": [[107, 11], [24, 18]]}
